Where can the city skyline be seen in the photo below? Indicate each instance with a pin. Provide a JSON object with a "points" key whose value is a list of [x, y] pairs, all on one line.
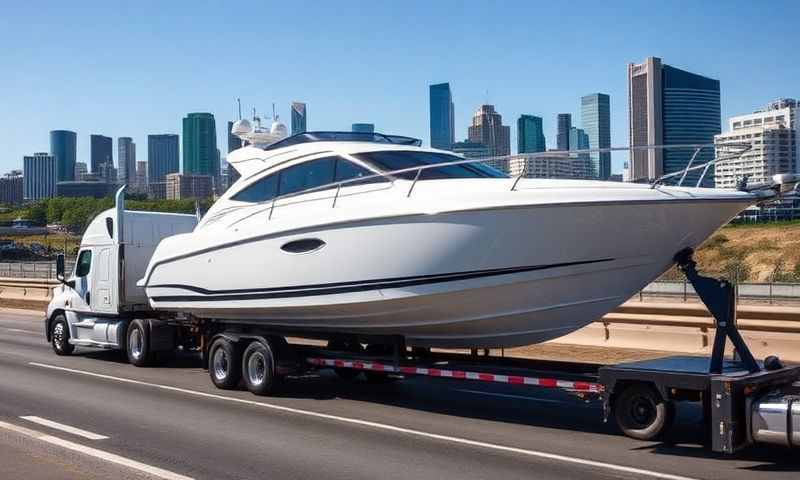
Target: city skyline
{"points": [[390, 90]]}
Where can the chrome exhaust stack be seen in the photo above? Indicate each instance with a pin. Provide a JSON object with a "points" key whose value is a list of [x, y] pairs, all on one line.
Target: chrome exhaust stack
{"points": [[775, 419]]}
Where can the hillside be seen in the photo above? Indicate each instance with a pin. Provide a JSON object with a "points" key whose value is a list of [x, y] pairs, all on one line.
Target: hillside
{"points": [[767, 252]]}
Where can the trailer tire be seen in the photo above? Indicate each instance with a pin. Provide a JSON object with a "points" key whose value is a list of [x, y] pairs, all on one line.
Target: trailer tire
{"points": [[224, 364], [59, 336], [137, 344], [642, 413], [258, 368]]}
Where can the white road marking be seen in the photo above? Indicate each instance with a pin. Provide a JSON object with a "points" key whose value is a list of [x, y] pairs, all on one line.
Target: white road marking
{"points": [[507, 395], [93, 452], [63, 428], [19, 330], [381, 426]]}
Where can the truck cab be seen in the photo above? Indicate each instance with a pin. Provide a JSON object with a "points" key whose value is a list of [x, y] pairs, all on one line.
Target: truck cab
{"points": [[95, 302]]}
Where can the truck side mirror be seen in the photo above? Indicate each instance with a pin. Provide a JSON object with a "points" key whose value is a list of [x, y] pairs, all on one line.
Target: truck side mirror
{"points": [[60, 267]]}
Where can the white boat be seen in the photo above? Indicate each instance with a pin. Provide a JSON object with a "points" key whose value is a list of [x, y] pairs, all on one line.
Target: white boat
{"points": [[353, 234]]}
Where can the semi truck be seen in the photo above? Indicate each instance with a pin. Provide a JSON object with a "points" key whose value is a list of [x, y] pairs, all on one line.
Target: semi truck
{"points": [[99, 305]]}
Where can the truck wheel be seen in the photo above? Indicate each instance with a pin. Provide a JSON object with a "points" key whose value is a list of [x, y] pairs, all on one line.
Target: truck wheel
{"points": [[138, 344], [642, 413], [224, 367], [258, 369], [59, 336]]}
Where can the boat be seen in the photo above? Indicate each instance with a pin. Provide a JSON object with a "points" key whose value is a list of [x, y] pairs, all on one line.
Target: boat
{"points": [[333, 233]]}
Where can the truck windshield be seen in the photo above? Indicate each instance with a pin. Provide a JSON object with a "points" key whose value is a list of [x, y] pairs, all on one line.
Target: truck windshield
{"points": [[387, 161]]}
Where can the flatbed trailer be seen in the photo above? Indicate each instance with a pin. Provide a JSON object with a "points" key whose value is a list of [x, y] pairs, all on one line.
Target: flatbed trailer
{"points": [[101, 305]]}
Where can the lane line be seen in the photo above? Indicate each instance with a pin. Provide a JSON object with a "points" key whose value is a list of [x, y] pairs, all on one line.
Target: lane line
{"points": [[382, 426], [93, 452], [507, 395], [63, 428], [19, 330]]}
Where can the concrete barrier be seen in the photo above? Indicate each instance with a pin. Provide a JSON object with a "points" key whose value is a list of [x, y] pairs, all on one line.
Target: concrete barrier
{"points": [[672, 327], [28, 294], [689, 328]]}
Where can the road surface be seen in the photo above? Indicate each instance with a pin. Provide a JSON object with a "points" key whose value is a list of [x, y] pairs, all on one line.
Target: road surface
{"points": [[92, 415]]}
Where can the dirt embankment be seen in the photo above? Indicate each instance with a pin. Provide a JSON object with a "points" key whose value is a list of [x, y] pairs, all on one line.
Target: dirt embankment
{"points": [[751, 253]]}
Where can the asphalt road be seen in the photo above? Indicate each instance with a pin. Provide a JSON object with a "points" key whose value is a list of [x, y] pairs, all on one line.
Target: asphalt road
{"points": [[170, 422]]}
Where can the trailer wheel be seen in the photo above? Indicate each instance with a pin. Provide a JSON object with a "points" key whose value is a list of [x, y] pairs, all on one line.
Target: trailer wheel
{"points": [[59, 336], [258, 369], [138, 344], [344, 346], [642, 413], [225, 364]]}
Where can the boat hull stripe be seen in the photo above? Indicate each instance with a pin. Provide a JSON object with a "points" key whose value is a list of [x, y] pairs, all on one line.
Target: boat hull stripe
{"points": [[349, 287]]}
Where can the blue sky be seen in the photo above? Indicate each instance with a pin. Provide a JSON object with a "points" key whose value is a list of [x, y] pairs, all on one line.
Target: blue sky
{"points": [[134, 68]]}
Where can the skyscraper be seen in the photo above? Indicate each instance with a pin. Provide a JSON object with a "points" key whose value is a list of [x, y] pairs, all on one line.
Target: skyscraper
{"points": [[141, 177], [564, 124], [126, 152], [442, 116], [298, 117], [199, 144], [101, 152], [669, 106], [162, 157], [40, 176], [596, 122], [11, 188], [579, 140], [363, 127], [63, 148], [488, 129], [530, 134]]}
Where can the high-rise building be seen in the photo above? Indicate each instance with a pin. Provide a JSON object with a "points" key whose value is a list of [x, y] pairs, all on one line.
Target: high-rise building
{"points": [[298, 117], [773, 133], [562, 137], [579, 140], [596, 122], [126, 152], [11, 188], [100, 151], [530, 134], [63, 146], [141, 177], [40, 176], [442, 116], [179, 185], [668, 106], [162, 156], [487, 128], [93, 189], [81, 170], [363, 127], [199, 144], [550, 164]]}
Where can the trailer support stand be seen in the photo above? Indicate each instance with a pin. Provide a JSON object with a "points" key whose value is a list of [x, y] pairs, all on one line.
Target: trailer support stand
{"points": [[719, 296]]}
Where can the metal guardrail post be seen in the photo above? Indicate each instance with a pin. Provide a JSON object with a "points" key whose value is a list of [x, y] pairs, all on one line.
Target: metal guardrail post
{"points": [[684, 290]]}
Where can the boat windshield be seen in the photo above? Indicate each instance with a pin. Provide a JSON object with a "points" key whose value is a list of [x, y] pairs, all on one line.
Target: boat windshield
{"points": [[387, 161]]}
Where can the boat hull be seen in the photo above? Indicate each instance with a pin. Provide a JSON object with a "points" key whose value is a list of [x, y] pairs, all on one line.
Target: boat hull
{"points": [[492, 277]]}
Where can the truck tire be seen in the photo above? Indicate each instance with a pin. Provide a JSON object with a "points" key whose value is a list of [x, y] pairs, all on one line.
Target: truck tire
{"points": [[138, 344], [642, 413], [258, 368], [224, 364], [59, 336]]}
